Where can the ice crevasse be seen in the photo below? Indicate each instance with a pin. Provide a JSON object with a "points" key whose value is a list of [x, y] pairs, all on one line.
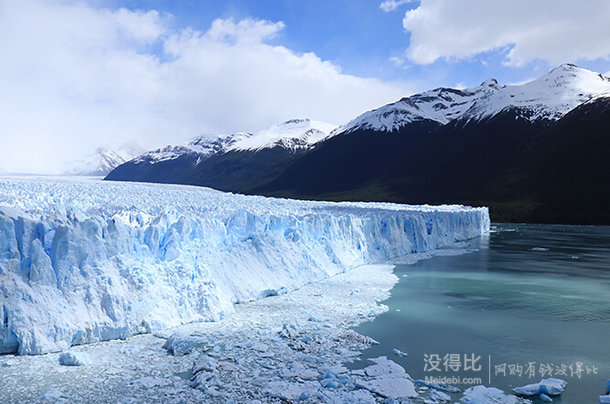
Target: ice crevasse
{"points": [[83, 261]]}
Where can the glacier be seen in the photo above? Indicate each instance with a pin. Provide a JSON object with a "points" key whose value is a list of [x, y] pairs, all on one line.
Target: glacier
{"points": [[83, 261]]}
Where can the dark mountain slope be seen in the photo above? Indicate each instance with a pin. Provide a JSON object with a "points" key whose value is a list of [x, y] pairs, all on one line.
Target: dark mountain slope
{"points": [[423, 162], [568, 171], [551, 172], [232, 171]]}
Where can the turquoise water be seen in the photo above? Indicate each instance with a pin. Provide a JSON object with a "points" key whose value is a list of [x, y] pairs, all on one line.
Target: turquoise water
{"points": [[535, 296]]}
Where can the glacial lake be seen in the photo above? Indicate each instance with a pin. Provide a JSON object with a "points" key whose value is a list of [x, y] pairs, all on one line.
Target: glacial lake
{"points": [[528, 298]]}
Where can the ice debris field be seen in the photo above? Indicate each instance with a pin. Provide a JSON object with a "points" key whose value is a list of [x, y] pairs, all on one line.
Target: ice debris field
{"points": [[285, 348], [83, 261]]}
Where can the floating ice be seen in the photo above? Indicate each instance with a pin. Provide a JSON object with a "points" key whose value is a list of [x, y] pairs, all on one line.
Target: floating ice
{"points": [[438, 386], [382, 366], [54, 396], [359, 396], [388, 379], [486, 395], [259, 346], [180, 345], [205, 362], [289, 331], [319, 319], [74, 359], [292, 391], [550, 386], [439, 396], [84, 261]]}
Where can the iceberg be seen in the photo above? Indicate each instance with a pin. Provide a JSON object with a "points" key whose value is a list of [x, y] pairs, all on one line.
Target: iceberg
{"points": [[387, 379], [83, 261], [549, 387], [486, 395], [74, 359]]}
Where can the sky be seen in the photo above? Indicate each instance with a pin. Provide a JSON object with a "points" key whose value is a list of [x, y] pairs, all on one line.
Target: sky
{"points": [[77, 75]]}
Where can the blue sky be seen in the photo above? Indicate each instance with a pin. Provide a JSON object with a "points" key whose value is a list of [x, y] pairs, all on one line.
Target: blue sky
{"points": [[355, 34], [358, 36], [79, 74]]}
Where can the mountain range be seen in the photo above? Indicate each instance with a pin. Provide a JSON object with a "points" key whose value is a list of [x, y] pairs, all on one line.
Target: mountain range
{"points": [[102, 161], [235, 162], [535, 152]]}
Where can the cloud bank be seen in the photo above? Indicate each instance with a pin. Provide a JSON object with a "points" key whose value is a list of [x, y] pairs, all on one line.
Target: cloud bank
{"points": [[74, 77], [553, 30]]}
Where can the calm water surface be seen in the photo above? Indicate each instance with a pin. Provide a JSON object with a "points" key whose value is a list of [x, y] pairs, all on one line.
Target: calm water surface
{"points": [[535, 296]]}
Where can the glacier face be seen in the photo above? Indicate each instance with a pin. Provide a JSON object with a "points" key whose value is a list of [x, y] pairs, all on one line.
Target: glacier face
{"points": [[84, 261]]}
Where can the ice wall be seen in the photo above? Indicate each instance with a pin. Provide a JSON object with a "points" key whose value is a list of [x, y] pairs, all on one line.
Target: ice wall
{"points": [[84, 261]]}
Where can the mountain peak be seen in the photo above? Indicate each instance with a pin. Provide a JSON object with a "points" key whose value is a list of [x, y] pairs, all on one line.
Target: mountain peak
{"points": [[567, 67], [296, 121], [292, 134], [489, 83], [103, 160], [549, 97], [568, 73]]}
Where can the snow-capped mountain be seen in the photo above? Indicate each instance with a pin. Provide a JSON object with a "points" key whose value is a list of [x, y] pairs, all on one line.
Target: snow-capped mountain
{"points": [[548, 97], [532, 152], [102, 161], [202, 145], [228, 162], [292, 135]]}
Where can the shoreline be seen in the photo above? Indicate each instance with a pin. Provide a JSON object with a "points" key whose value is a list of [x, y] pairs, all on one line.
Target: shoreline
{"points": [[247, 345], [292, 347]]}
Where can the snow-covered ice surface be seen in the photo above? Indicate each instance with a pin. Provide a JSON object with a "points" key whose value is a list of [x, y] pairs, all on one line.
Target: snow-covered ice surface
{"points": [[549, 97], [83, 261]]}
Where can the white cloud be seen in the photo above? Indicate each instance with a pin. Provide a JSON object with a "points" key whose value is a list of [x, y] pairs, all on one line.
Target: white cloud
{"points": [[391, 5], [522, 82], [397, 61], [553, 30], [74, 77], [244, 31], [401, 62]]}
